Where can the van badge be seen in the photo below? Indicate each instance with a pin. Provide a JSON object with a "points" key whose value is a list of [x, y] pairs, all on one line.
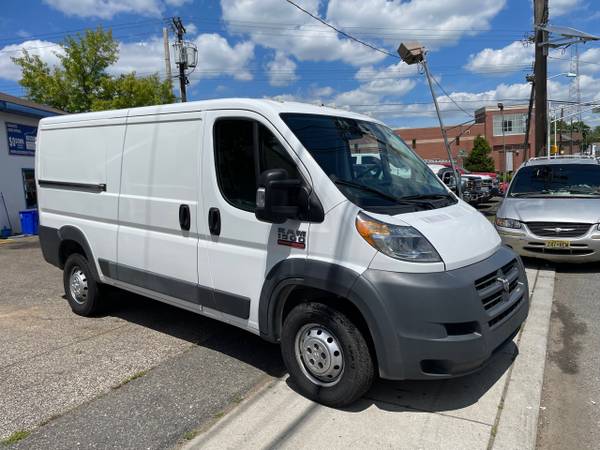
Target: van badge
{"points": [[505, 283], [291, 238]]}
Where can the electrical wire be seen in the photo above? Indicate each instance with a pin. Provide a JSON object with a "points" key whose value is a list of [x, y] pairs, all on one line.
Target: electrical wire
{"points": [[343, 33]]}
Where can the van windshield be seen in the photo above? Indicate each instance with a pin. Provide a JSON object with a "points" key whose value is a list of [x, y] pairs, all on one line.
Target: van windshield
{"points": [[370, 165], [557, 180]]}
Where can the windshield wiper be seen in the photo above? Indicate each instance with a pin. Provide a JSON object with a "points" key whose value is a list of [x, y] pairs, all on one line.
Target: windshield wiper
{"points": [[364, 187], [529, 194]]}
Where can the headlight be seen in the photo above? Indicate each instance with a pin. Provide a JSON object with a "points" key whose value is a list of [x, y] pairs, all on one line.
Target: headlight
{"points": [[507, 223], [397, 241]]}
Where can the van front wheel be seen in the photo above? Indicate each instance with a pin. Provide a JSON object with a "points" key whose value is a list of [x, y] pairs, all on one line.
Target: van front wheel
{"points": [[81, 289], [326, 355]]}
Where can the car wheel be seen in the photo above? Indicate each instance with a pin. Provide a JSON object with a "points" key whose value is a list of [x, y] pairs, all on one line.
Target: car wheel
{"points": [[81, 289], [326, 355]]}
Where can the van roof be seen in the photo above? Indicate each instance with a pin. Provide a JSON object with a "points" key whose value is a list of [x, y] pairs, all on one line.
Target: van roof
{"points": [[264, 106]]}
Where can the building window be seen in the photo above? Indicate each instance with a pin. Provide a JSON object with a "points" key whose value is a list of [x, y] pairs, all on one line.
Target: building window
{"points": [[509, 124], [414, 144], [457, 140]]}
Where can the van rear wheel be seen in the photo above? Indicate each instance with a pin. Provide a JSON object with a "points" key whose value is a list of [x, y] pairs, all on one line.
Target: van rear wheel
{"points": [[81, 289], [326, 355]]}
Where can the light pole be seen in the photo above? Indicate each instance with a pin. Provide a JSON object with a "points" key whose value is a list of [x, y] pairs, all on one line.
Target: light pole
{"points": [[414, 53], [568, 75]]}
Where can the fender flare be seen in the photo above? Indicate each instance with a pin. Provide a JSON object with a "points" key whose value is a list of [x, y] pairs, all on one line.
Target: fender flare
{"points": [[71, 233], [338, 280]]}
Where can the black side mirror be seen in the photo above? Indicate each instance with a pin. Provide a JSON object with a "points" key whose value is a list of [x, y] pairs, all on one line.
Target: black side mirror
{"points": [[277, 196]]}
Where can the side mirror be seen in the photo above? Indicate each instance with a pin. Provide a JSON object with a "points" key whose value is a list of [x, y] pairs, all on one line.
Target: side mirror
{"points": [[277, 197], [451, 182]]}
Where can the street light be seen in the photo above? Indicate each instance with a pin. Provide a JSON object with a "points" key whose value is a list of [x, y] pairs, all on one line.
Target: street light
{"points": [[414, 53], [568, 75]]}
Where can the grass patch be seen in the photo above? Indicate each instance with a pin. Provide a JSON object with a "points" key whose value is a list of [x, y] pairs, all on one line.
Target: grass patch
{"points": [[135, 376], [190, 435], [15, 437]]}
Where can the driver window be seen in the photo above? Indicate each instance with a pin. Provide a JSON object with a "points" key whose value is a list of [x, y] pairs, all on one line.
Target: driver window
{"points": [[236, 142]]}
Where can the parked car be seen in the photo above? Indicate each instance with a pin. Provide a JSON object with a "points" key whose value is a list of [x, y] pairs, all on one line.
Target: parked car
{"points": [[552, 210], [253, 212]]}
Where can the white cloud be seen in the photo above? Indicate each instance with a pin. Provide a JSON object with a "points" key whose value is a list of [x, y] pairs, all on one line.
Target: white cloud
{"points": [[107, 9], [46, 50], [142, 57], [511, 58], [561, 7], [281, 70], [216, 57], [436, 23], [307, 41]]}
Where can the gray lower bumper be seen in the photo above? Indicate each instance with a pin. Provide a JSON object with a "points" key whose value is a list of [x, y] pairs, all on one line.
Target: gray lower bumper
{"points": [[437, 325]]}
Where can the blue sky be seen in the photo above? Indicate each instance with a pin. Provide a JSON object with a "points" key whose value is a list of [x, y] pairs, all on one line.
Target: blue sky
{"points": [[268, 48]]}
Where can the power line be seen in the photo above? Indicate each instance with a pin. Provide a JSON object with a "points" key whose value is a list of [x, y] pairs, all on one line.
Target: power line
{"points": [[448, 95], [343, 33]]}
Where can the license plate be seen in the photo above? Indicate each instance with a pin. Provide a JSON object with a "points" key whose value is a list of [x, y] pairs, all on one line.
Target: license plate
{"points": [[558, 244]]}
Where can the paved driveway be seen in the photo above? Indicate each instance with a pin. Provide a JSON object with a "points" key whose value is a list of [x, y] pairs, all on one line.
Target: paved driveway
{"points": [[71, 374]]}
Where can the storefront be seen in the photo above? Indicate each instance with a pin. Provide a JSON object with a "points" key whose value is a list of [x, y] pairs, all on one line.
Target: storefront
{"points": [[18, 129]]}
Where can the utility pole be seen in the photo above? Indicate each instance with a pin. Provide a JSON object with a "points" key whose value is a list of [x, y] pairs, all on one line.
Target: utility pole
{"points": [[183, 81], [540, 8], [528, 123], [167, 57]]}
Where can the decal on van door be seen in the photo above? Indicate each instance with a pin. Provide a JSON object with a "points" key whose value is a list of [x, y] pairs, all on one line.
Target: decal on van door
{"points": [[291, 238]]}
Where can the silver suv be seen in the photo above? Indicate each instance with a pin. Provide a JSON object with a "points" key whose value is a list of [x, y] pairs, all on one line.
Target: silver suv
{"points": [[552, 210]]}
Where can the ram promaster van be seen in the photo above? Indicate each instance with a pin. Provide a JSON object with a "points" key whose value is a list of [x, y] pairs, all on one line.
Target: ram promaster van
{"points": [[254, 212]]}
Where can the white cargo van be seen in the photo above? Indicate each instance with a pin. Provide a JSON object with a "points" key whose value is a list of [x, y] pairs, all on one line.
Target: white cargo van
{"points": [[255, 213]]}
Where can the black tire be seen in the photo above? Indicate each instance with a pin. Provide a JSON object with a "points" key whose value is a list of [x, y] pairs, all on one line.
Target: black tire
{"points": [[88, 302], [358, 370]]}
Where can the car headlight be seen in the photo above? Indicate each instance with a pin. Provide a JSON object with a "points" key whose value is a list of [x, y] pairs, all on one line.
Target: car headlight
{"points": [[396, 241], [507, 223]]}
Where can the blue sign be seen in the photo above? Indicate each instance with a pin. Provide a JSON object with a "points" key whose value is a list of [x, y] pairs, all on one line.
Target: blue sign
{"points": [[21, 139]]}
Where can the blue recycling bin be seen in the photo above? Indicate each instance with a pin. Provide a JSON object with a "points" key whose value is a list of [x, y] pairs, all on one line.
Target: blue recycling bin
{"points": [[29, 221]]}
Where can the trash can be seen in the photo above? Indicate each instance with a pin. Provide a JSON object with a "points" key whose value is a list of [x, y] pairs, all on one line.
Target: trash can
{"points": [[29, 221]]}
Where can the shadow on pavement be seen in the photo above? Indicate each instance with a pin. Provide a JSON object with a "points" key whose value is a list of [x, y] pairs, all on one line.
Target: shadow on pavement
{"points": [[199, 330]]}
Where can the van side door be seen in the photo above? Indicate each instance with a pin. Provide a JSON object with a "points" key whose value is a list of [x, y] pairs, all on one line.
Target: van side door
{"points": [[159, 207], [239, 145]]}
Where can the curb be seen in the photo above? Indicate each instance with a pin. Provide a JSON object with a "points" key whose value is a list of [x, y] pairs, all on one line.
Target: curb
{"points": [[520, 407]]}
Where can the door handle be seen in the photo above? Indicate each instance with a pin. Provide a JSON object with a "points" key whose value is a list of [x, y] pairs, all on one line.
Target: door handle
{"points": [[214, 221], [184, 217]]}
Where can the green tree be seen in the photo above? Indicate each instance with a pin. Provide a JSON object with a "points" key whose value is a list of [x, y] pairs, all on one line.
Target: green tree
{"points": [[80, 82], [479, 159]]}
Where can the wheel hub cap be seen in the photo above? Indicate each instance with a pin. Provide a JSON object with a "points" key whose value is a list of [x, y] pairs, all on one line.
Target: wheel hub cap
{"points": [[78, 285], [319, 353]]}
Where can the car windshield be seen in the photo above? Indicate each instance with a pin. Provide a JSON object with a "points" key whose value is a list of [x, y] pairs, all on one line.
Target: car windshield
{"points": [[557, 180], [370, 165]]}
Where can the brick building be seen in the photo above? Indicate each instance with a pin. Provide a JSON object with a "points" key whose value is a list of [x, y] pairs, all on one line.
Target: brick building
{"points": [[489, 121]]}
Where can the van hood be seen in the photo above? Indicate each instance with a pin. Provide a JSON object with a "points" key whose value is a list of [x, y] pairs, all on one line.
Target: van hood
{"points": [[578, 210], [460, 234]]}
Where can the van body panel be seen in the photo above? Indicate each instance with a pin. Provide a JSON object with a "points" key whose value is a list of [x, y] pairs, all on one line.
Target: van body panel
{"points": [[161, 171]]}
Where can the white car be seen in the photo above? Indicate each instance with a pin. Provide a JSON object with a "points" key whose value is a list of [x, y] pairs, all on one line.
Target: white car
{"points": [[252, 212]]}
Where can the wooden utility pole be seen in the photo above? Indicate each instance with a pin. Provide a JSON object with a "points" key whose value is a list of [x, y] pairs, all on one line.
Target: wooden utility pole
{"points": [[540, 8], [167, 57], [180, 30]]}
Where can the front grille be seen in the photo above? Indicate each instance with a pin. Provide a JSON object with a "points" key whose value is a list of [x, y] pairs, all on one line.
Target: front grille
{"points": [[491, 290], [558, 229], [505, 313]]}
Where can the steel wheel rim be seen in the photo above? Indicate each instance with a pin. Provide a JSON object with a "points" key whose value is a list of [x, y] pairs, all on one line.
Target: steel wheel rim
{"points": [[319, 354], [78, 285]]}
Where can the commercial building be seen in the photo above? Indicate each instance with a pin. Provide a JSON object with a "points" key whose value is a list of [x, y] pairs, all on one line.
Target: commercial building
{"points": [[18, 129], [503, 129]]}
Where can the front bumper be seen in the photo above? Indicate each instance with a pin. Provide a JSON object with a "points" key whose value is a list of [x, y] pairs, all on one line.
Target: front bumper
{"points": [[440, 325], [583, 249]]}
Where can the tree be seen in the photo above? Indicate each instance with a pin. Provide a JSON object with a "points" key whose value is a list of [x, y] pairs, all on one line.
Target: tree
{"points": [[479, 159], [80, 82]]}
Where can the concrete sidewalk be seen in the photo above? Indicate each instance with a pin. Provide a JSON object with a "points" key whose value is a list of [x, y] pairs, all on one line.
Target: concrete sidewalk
{"points": [[495, 408]]}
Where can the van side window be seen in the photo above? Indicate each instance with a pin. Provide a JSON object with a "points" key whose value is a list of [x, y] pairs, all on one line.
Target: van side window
{"points": [[237, 142]]}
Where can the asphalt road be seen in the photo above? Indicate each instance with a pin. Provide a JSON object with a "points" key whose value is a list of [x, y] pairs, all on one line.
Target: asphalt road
{"points": [[143, 375], [570, 407]]}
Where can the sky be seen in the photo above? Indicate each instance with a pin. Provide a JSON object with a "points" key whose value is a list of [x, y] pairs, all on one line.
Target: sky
{"points": [[478, 50]]}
